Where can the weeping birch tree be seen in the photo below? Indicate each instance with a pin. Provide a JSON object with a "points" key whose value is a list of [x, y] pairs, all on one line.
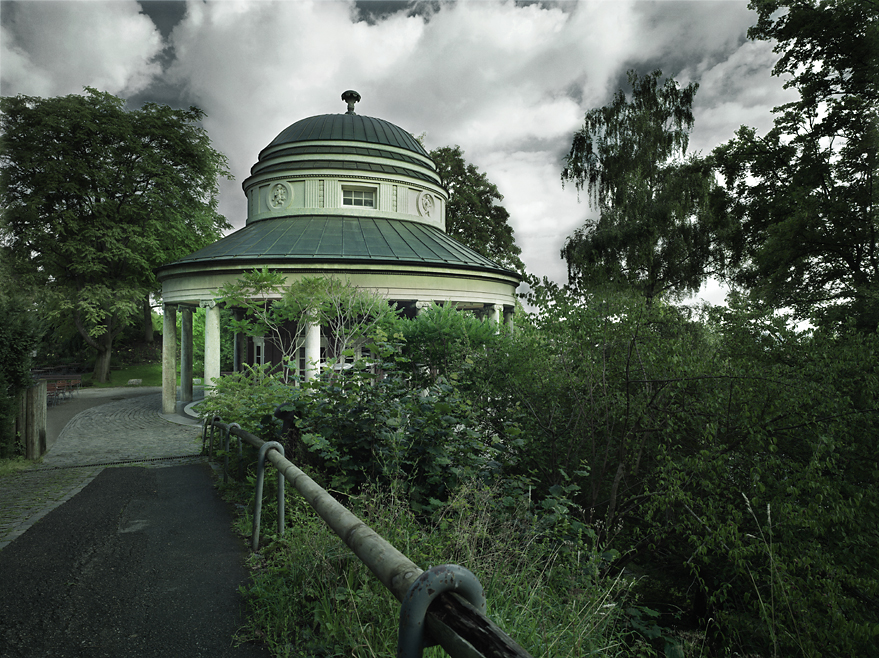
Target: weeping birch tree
{"points": [[655, 228]]}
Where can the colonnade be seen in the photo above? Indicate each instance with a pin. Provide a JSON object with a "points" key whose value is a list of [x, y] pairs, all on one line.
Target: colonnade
{"points": [[170, 402]]}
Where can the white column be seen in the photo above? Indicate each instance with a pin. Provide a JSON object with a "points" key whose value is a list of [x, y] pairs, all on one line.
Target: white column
{"points": [[169, 360], [421, 305], [186, 355], [312, 351], [495, 313], [211, 343], [259, 350], [508, 320]]}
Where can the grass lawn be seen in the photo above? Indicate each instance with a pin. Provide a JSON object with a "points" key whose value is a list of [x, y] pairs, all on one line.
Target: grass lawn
{"points": [[149, 373]]}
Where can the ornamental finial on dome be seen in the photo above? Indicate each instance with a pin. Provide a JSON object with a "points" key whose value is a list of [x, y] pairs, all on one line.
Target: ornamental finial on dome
{"points": [[350, 97]]}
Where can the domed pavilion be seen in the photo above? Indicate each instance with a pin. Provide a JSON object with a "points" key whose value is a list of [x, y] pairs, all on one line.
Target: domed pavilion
{"points": [[335, 195]]}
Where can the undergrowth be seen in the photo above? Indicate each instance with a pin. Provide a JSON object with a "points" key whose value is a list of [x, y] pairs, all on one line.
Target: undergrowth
{"points": [[310, 596], [14, 465]]}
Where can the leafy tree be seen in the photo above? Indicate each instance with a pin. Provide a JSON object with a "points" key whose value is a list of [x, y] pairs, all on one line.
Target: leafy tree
{"points": [[474, 217], [95, 197], [669, 437], [804, 196], [588, 383], [766, 493], [440, 339], [655, 231], [272, 308], [265, 311]]}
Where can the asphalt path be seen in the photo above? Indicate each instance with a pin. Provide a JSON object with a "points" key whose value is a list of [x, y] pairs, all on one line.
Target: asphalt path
{"points": [[139, 562], [142, 562]]}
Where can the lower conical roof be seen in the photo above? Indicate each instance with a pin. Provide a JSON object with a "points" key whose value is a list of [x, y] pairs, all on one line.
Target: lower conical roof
{"points": [[341, 239]]}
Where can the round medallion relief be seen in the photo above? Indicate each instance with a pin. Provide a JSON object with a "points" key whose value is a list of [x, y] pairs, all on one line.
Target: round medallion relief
{"points": [[279, 196], [426, 204]]}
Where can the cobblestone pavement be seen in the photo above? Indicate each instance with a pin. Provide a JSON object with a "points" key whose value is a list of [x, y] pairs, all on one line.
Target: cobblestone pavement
{"points": [[120, 431]]}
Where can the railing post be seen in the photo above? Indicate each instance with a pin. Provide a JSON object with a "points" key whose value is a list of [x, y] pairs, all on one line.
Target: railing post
{"points": [[226, 455], [209, 421], [240, 455], [429, 585], [260, 476], [232, 426]]}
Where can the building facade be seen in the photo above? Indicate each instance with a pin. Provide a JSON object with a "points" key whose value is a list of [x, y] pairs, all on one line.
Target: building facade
{"points": [[334, 195]]}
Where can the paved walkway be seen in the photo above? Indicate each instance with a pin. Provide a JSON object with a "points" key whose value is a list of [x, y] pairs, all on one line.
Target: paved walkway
{"points": [[111, 426], [118, 544]]}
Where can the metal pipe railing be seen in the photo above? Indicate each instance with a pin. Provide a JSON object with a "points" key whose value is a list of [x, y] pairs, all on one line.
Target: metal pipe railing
{"points": [[460, 627], [260, 477]]}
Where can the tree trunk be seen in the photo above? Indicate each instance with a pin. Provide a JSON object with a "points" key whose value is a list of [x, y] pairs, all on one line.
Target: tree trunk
{"points": [[101, 373], [148, 336], [103, 345]]}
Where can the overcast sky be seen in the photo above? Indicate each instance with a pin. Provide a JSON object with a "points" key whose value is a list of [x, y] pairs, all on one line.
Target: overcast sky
{"points": [[509, 82]]}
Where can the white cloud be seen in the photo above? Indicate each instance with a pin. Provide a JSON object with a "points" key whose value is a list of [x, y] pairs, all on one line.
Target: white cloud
{"points": [[542, 213], [739, 90], [57, 48]]}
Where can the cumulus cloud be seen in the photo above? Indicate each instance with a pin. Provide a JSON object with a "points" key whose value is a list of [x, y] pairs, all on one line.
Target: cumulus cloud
{"points": [[57, 48], [739, 90]]}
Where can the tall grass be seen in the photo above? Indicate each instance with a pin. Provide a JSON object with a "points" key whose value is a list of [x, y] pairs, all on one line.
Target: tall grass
{"points": [[311, 596], [775, 610]]}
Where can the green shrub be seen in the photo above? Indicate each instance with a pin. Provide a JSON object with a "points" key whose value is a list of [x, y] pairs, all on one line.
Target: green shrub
{"points": [[312, 597], [249, 398]]}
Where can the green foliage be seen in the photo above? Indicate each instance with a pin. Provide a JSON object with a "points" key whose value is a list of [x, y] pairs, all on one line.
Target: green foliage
{"points": [[654, 424], [586, 383], [441, 339], [804, 196], [271, 307], [150, 374], [474, 216], [774, 501], [13, 465], [655, 232], [262, 309], [312, 597], [725, 458], [96, 197], [248, 398], [367, 429], [19, 334], [358, 428]]}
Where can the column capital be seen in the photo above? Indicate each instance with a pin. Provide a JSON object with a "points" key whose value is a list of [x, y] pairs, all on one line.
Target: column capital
{"points": [[423, 304], [207, 303], [498, 307]]}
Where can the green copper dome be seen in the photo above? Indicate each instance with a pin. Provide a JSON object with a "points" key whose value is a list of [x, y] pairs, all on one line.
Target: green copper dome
{"points": [[346, 142], [347, 128]]}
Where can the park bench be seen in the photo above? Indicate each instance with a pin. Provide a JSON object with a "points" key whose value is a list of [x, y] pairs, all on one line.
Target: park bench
{"points": [[61, 387]]}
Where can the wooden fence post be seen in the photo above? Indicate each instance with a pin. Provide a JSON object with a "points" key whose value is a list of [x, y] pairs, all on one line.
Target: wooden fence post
{"points": [[35, 421]]}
